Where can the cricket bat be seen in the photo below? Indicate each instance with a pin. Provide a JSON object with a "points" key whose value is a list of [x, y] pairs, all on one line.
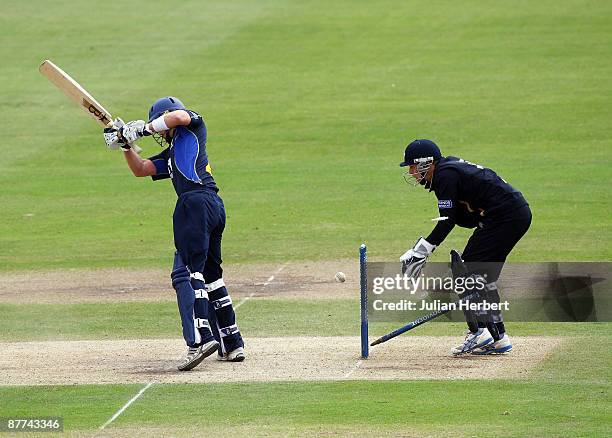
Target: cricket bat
{"points": [[78, 94]]}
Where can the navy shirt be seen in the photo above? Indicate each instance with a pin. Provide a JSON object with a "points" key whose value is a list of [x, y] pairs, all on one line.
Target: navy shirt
{"points": [[467, 192], [186, 161]]}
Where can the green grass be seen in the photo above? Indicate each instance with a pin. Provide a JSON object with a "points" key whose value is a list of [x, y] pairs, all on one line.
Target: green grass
{"points": [[82, 407], [397, 406], [566, 395], [267, 318], [506, 408], [309, 106]]}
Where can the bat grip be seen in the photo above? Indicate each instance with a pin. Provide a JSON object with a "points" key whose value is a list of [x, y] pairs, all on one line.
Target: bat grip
{"points": [[134, 146]]}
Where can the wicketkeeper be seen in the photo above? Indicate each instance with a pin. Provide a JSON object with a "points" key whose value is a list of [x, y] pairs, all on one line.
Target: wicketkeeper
{"points": [[470, 196], [205, 307]]}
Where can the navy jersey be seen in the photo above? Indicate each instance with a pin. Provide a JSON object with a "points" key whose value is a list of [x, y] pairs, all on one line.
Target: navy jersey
{"points": [[186, 161], [466, 192]]}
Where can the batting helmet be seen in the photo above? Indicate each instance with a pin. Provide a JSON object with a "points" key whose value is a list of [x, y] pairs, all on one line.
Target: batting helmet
{"points": [[163, 105], [420, 151]]}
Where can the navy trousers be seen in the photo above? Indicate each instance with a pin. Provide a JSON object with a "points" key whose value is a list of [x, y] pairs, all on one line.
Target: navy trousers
{"points": [[485, 254], [198, 223]]}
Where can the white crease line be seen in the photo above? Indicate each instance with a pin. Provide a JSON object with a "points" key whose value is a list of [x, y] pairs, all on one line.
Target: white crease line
{"points": [[357, 365], [125, 406], [267, 282], [352, 370], [244, 300]]}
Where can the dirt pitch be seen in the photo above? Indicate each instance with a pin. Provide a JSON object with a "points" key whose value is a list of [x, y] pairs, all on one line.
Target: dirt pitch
{"points": [[269, 359]]}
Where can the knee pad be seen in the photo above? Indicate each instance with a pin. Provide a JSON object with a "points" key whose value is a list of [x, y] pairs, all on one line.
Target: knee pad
{"points": [[221, 304], [492, 291], [179, 274], [493, 297], [488, 318], [474, 292], [217, 293]]}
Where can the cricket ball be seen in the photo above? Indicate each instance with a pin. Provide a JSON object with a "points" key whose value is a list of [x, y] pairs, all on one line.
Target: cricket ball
{"points": [[340, 277]]}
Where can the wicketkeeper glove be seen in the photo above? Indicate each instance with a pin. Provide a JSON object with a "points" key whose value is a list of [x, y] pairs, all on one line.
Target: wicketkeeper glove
{"points": [[414, 259]]}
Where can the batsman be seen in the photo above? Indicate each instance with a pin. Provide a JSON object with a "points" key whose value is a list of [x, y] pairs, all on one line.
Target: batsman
{"points": [[469, 196], [205, 307]]}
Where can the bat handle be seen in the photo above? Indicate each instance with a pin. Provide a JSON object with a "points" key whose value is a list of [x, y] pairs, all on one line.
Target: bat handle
{"points": [[134, 146]]}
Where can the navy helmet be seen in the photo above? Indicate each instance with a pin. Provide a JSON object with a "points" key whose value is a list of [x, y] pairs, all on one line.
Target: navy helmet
{"points": [[163, 105], [421, 151]]}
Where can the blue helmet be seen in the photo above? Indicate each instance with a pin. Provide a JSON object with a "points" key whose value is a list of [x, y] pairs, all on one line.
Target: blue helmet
{"points": [[163, 105], [421, 151]]}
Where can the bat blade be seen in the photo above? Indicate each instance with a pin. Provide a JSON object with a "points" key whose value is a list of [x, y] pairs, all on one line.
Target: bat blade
{"points": [[73, 90]]}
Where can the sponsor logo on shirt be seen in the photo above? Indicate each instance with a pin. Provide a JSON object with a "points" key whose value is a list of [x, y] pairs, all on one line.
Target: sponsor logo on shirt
{"points": [[445, 203]]}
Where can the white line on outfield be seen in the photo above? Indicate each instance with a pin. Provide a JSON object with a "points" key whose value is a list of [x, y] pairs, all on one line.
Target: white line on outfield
{"points": [[133, 399], [125, 406], [267, 282], [244, 300]]}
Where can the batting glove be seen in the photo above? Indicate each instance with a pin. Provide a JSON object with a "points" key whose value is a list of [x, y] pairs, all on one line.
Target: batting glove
{"points": [[133, 131], [112, 137], [414, 259]]}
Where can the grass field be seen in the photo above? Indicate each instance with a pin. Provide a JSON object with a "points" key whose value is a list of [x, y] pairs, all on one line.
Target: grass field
{"points": [[309, 106]]}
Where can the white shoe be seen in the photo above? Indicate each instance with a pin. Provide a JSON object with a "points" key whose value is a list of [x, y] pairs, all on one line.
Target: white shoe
{"points": [[195, 355], [472, 341], [236, 355], [498, 347]]}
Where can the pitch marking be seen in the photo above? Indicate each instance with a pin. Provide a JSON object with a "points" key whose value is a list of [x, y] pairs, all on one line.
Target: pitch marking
{"points": [[267, 282], [357, 365], [125, 406]]}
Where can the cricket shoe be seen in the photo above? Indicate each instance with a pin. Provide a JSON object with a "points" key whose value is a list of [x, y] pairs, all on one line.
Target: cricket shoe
{"points": [[472, 341], [236, 355], [195, 355], [498, 347]]}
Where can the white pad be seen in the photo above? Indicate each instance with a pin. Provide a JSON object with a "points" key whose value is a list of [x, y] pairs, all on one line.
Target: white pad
{"points": [[201, 323], [197, 337], [222, 302], [201, 293], [214, 285], [197, 276], [226, 331]]}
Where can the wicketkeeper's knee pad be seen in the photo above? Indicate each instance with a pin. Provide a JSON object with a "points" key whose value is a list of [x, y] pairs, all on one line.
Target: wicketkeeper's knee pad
{"points": [[475, 293], [222, 313], [193, 307], [485, 316], [492, 295]]}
